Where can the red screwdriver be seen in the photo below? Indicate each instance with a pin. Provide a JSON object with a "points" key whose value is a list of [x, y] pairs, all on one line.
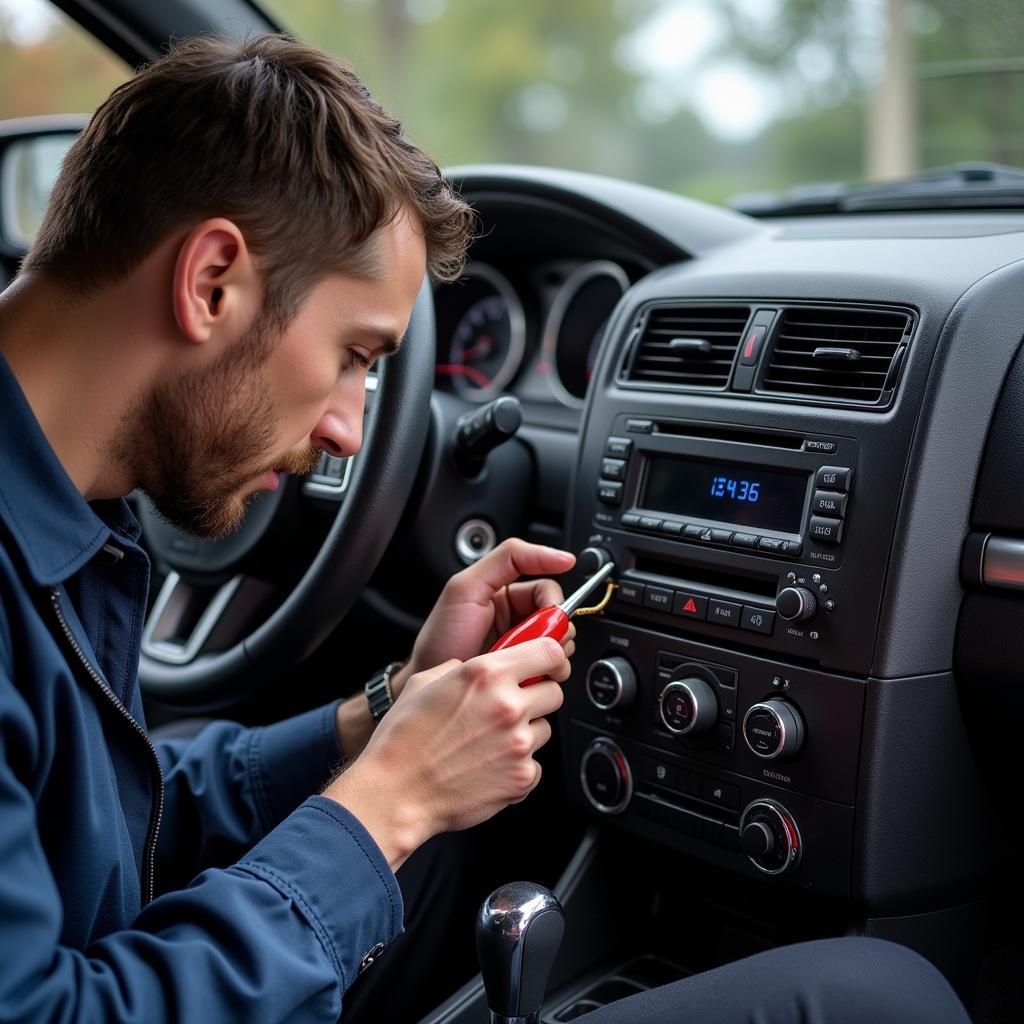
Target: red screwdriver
{"points": [[553, 620]]}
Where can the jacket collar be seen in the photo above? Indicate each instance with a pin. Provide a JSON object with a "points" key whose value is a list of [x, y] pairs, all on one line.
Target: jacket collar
{"points": [[55, 528]]}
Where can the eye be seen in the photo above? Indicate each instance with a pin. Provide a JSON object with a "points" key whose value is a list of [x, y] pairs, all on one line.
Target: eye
{"points": [[357, 358]]}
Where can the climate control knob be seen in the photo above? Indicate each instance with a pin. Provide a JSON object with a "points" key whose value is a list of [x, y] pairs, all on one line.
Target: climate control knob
{"points": [[591, 559], [773, 729], [606, 777], [796, 604], [769, 837], [611, 683], [688, 707]]}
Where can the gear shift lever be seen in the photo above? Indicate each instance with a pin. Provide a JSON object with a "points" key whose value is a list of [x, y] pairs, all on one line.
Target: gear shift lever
{"points": [[518, 932]]}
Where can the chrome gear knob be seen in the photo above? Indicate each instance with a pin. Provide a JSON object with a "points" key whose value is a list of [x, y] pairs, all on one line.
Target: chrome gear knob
{"points": [[518, 931]]}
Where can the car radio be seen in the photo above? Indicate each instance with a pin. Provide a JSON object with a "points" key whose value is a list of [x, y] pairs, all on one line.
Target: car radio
{"points": [[730, 531]]}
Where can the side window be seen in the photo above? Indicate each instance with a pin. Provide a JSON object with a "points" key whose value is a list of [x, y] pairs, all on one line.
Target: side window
{"points": [[48, 65]]}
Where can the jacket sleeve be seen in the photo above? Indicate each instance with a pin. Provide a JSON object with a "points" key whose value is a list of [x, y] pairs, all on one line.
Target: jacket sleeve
{"points": [[229, 786], [277, 936]]}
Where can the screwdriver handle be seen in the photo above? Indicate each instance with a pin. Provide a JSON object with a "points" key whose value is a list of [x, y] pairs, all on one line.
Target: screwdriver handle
{"points": [[550, 621]]}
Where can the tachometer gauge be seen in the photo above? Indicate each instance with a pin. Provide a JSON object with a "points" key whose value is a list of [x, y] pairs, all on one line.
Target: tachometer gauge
{"points": [[486, 347], [576, 325]]}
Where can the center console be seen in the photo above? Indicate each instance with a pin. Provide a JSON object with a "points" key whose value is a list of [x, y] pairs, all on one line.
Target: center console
{"points": [[717, 706]]}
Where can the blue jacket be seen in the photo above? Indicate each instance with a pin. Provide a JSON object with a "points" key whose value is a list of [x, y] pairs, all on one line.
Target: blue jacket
{"points": [[283, 895]]}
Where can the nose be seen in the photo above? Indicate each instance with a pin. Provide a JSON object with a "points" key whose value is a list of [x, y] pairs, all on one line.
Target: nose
{"points": [[339, 431]]}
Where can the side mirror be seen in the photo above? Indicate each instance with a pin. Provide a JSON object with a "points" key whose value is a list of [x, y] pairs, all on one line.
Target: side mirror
{"points": [[31, 151]]}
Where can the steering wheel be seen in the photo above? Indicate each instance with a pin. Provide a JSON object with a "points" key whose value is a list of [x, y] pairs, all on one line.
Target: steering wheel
{"points": [[190, 657]]}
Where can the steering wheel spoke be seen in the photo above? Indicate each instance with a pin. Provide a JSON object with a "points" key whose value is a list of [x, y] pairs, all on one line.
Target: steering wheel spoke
{"points": [[189, 620]]}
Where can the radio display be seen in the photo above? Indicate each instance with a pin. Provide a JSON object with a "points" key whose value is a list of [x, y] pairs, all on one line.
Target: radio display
{"points": [[743, 496]]}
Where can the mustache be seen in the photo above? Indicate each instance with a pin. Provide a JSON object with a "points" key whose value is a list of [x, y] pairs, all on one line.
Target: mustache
{"points": [[297, 463]]}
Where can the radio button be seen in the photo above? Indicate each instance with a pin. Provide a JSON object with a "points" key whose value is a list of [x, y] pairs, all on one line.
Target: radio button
{"points": [[694, 532], [629, 592], [659, 598], [673, 529], [639, 426], [609, 492], [650, 523], [725, 613], [721, 536], [721, 793], [792, 547], [745, 540], [826, 531], [613, 469], [659, 772], [772, 544], [618, 447], [690, 606], [833, 478], [757, 620], [630, 519], [829, 503]]}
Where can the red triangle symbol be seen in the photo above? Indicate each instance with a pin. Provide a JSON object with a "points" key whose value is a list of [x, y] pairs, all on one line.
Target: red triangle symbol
{"points": [[690, 607]]}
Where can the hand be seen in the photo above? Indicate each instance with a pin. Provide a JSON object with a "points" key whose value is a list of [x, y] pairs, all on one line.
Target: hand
{"points": [[456, 749], [482, 602]]}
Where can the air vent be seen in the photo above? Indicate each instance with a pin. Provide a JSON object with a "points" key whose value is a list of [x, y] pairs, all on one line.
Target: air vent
{"points": [[692, 346], [837, 354]]}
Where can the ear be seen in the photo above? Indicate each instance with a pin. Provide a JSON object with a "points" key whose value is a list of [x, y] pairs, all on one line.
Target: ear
{"points": [[216, 289]]}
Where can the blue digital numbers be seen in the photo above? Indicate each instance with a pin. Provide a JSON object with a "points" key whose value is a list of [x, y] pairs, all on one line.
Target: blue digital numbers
{"points": [[736, 490]]}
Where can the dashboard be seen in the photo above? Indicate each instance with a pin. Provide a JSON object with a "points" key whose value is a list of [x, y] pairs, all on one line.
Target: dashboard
{"points": [[779, 432], [535, 335]]}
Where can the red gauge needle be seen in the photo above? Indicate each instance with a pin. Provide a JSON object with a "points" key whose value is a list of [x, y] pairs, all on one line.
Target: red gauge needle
{"points": [[553, 620], [479, 379]]}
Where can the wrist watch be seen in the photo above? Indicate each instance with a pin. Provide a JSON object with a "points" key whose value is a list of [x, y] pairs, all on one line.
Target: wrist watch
{"points": [[378, 690]]}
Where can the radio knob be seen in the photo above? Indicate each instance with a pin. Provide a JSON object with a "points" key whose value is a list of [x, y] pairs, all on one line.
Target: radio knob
{"points": [[796, 604], [611, 683], [606, 777], [773, 729], [769, 837], [688, 707], [591, 559]]}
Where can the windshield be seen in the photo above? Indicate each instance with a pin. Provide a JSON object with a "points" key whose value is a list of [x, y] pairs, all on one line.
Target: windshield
{"points": [[706, 97], [710, 98]]}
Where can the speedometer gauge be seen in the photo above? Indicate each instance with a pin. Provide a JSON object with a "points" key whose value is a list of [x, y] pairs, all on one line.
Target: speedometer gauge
{"points": [[576, 325], [487, 343]]}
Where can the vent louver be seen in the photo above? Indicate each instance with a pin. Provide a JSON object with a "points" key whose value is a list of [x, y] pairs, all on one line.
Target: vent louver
{"points": [[837, 354], [693, 346]]}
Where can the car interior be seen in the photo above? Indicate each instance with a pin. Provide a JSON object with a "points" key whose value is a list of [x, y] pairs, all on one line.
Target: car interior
{"points": [[794, 431]]}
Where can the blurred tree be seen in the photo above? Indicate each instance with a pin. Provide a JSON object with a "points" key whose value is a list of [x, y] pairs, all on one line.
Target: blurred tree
{"points": [[532, 82], [63, 71], [939, 81]]}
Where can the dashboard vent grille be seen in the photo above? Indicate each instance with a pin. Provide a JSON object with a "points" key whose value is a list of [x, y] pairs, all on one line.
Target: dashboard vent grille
{"points": [[693, 346], [834, 353]]}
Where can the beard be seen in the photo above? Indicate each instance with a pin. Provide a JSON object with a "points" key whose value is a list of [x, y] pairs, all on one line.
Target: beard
{"points": [[196, 441]]}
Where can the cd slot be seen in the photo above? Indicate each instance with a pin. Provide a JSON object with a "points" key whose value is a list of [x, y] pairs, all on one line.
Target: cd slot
{"points": [[724, 432], [748, 583]]}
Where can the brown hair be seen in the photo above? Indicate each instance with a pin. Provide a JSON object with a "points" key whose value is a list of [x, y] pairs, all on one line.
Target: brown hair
{"points": [[279, 137]]}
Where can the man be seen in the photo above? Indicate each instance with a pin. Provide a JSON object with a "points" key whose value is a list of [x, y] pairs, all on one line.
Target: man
{"points": [[238, 234]]}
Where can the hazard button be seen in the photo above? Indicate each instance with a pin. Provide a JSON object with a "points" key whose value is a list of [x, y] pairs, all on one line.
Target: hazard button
{"points": [[689, 605]]}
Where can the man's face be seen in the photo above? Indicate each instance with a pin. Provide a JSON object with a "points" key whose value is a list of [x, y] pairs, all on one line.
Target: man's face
{"points": [[210, 439]]}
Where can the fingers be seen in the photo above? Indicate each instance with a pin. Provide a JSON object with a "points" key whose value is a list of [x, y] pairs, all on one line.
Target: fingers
{"points": [[525, 598], [511, 559], [544, 657]]}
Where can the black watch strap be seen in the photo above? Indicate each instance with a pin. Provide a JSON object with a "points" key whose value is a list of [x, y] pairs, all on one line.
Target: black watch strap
{"points": [[378, 691]]}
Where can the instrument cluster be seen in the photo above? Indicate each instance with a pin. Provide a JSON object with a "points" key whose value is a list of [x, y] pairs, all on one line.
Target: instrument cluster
{"points": [[534, 334]]}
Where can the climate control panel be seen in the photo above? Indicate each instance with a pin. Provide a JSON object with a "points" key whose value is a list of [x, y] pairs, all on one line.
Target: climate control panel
{"points": [[726, 755]]}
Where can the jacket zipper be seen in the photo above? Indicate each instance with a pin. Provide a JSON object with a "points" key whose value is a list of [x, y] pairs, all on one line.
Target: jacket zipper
{"points": [[156, 815]]}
